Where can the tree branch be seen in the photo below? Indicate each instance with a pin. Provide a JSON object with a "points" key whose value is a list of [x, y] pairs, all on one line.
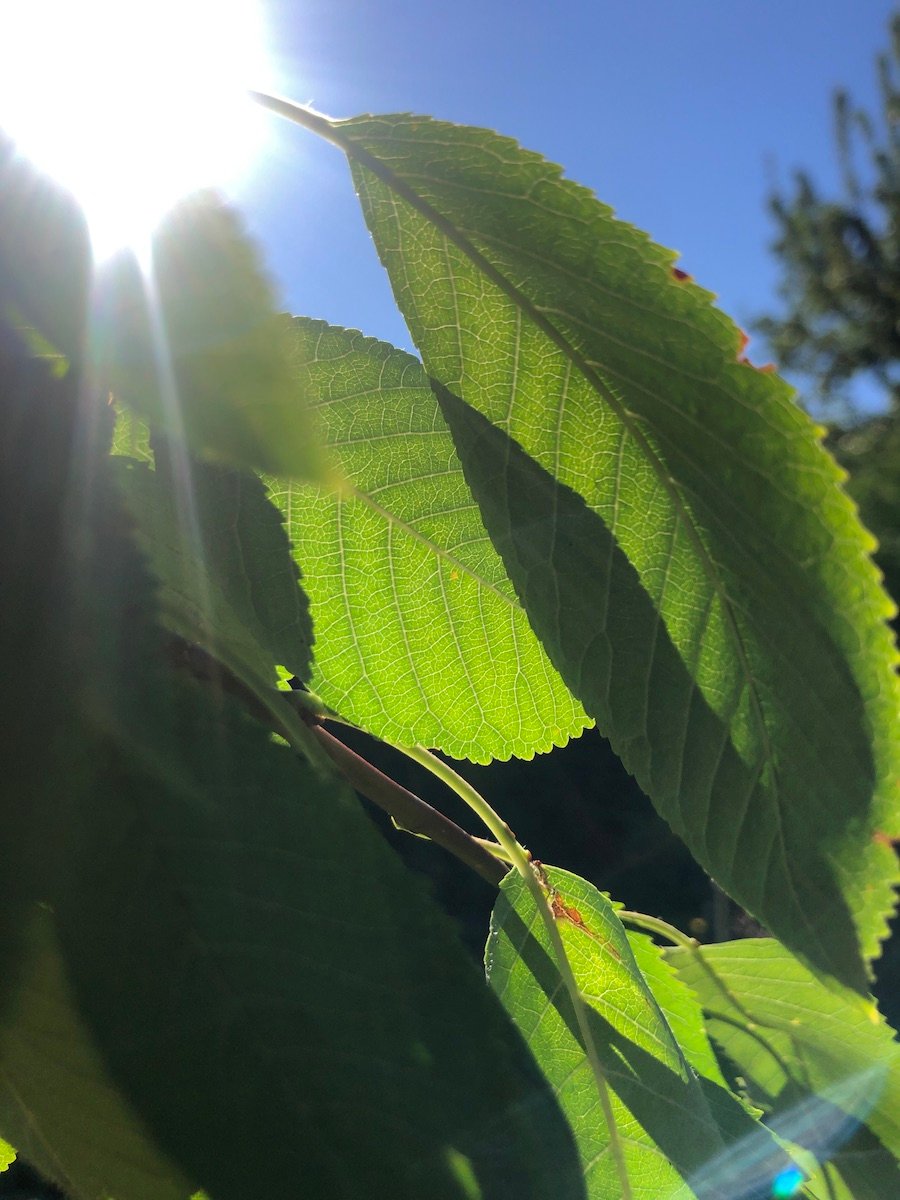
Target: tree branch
{"points": [[408, 810]]}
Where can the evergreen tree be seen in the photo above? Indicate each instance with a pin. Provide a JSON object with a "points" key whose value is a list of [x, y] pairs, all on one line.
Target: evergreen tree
{"points": [[841, 257], [841, 288]]}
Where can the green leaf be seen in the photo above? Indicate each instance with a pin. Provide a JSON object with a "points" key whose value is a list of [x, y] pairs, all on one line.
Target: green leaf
{"points": [[57, 1104], [277, 995], [791, 1038], [38, 417], [7, 1156], [220, 551], [57, 1101], [420, 635], [754, 696], [666, 1131], [269, 990], [131, 437], [679, 1005], [860, 1170], [193, 343]]}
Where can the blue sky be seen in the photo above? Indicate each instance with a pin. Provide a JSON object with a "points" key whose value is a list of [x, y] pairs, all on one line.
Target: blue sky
{"points": [[676, 112]]}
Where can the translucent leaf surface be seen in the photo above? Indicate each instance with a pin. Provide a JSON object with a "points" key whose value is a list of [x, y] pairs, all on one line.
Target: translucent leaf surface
{"points": [[665, 1133], [757, 696], [220, 551], [790, 1036], [679, 1006], [193, 342], [420, 636]]}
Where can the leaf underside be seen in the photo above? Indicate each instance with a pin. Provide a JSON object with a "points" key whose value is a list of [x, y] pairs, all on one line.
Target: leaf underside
{"points": [[642, 483], [420, 636], [793, 1041], [57, 1101], [669, 1127]]}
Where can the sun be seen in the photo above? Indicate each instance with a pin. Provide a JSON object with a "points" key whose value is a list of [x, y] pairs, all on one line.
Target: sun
{"points": [[132, 105]]}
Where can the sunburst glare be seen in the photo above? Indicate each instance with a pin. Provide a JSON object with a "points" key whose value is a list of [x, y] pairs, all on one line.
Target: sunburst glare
{"points": [[131, 106]]}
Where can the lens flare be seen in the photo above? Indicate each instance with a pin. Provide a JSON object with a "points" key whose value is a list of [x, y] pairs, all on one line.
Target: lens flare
{"points": [[787, 1184], [814, 1128], [132, 106]]}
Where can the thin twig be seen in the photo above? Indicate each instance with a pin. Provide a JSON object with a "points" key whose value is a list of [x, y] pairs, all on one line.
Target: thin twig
{"points": [[408, 809]]}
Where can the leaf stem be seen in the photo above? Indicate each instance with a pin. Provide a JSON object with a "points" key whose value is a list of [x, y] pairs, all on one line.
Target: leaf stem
{"points": [[521, 860], [495, 848], [655, 925]]}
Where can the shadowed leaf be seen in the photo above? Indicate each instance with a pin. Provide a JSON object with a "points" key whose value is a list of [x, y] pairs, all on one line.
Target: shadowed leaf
{"points": [[220, 550], [193, 343]]}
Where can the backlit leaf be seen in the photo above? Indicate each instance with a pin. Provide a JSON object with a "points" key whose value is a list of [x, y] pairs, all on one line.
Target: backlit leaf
{"points": [[679, 1006], [192, 341], [713, 605], [665, 1131], [269, 990], [420, 636], [791, 1036]]}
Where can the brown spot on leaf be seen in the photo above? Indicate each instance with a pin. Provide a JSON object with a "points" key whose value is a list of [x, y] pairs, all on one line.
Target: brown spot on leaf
{"points": [[681, 276], [568, 912]]}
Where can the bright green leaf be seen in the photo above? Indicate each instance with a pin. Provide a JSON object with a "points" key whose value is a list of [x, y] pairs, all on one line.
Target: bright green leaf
{"points": [[420, 635], [131, 437], [193, 343], [7, 1156], [722, 547], [791, 1037], [665, 1131], [679, 1006]]}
